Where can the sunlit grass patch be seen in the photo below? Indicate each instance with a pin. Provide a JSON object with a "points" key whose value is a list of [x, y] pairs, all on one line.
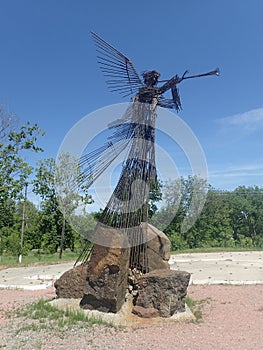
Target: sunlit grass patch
{"points": [[38, 258], [46, 316], [196, 306]]}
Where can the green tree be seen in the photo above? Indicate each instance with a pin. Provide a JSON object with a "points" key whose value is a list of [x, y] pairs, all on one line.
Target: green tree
{"points": [[15, 145], [14, 170], [32, 238], [84, 226], [171, 195], [247, 215], [49, 224], [155, 196], [184, 200], [213, 227], [56, 184], [69, 194]]}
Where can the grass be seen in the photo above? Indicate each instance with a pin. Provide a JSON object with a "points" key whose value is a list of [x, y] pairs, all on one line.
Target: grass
{"points": [[196, 306], [41, 315], [214, 250], [35, 258]]}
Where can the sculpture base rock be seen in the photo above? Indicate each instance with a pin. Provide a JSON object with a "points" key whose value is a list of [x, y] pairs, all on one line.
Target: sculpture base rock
{"points": [[107, 274], [105, 288], [161, 293], [72, 283], [102, 283], [158, 249]]}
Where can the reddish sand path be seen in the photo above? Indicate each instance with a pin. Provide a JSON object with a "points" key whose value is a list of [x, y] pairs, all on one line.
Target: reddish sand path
{"points": [[232, 320]]}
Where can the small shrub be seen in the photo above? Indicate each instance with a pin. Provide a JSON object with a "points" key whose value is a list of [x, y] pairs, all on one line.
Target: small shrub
{"points": [[196, 306]]}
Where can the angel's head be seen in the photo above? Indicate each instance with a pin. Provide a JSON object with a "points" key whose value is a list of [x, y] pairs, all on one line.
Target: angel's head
{"points": [[150, 78]]}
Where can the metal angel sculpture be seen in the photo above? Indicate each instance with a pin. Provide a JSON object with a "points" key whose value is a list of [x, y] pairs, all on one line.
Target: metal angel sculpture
{"points": [[127, 207]]}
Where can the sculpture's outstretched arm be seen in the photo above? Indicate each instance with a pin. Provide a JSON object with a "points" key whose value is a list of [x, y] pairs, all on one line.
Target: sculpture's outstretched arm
{"points": [[170, 83], [176, 79]]}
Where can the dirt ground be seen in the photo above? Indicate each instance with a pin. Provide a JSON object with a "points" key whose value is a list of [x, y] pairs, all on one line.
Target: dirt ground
{"points": [[232, 319]]}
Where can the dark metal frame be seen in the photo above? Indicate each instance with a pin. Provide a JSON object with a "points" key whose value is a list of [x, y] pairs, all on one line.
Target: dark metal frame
{"points": [[135, 131]]}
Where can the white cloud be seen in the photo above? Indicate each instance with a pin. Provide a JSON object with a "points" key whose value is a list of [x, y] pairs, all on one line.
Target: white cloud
{"points": [[247, 167], [238, 175], [229, 180], [239, 170], [234, 174], [249, 121]]}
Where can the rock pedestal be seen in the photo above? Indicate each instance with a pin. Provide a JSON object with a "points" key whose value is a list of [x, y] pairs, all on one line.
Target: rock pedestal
{"points": [[161, 293], [107, 274], [102, 283], [158, 249], [106, 283], [72, 283]]}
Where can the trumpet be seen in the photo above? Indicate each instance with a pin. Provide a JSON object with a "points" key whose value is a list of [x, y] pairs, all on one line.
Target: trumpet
{"points": [[213, 72]]}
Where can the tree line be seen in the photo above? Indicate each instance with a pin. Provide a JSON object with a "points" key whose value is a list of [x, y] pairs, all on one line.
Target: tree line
{"points": [[23, 225], [227, 219]]}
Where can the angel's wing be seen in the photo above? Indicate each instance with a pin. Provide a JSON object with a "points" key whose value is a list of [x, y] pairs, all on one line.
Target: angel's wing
{"points": [[119, 70], [94, 163]]}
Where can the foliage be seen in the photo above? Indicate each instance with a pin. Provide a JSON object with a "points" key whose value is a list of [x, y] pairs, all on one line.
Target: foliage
{"points": [[56, 184], [39, 257], [228, 219], [196, 306], [155, 196], [14, 144], [46, 316]]}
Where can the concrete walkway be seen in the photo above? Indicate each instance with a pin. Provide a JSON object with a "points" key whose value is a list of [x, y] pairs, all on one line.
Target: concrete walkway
{"points": [[205, 268], [32, 277], [221, 268]]}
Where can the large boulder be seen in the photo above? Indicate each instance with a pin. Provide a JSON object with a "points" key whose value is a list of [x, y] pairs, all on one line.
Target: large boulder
{"points": [[102, 283], [107, 275], [161, 293], [158, 249], [72, 283]]}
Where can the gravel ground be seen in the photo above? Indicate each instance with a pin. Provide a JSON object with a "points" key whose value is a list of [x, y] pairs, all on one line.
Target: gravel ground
{"points": [[232, 318]]}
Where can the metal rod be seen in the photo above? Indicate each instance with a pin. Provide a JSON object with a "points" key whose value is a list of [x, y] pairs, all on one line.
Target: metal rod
{"points": [[214, 72]]}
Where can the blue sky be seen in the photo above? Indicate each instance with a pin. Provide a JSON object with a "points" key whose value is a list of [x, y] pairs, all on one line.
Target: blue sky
{"points": [[49, 74]]}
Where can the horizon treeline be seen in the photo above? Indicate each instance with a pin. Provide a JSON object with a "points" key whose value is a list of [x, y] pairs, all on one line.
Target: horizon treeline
{"points": [[192, 214]]}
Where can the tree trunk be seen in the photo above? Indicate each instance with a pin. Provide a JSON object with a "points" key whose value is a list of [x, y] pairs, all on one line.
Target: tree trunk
{"points": [[23, 226], [62, 237]]}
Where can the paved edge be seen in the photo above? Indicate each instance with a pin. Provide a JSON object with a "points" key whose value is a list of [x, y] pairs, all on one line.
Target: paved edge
{"points": [[47, 280]]}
